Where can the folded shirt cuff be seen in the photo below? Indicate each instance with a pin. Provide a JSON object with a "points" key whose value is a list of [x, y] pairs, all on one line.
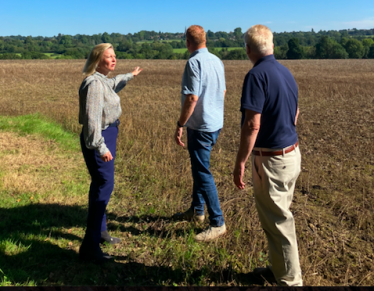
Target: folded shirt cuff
{"points": [[102, 149]]}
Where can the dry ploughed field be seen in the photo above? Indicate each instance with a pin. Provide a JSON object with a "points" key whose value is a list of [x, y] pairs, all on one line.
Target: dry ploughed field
{"points": [[333, 202]]}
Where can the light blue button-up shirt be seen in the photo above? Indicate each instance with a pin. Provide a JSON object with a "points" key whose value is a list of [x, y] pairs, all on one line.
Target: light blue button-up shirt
{"points": [[204, 76]]}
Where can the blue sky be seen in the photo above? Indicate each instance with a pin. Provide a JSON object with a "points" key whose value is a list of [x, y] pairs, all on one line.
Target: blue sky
{"points": [[48, 18]]}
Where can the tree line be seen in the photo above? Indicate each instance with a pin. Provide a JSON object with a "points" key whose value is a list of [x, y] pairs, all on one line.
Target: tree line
{"points": [[332, 44]]}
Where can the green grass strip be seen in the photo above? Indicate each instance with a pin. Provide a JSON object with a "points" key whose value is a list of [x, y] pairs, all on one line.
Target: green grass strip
{"points": [[38, 124]]}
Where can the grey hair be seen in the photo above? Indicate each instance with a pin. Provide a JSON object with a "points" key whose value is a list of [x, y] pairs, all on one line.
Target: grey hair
{"points": [[259, 38]]}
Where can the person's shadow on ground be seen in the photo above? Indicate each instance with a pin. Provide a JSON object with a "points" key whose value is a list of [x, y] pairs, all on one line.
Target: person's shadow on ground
{"points": [[34, 251]]}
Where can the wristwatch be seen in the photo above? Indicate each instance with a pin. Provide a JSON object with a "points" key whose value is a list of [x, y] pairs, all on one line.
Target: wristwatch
{"points": [[179, 125]]}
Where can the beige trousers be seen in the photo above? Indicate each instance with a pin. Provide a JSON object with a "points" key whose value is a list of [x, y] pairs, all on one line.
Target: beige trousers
{"points": [[274, 181]]}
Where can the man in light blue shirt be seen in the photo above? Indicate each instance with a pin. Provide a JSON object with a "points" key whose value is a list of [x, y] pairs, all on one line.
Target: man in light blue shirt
{"points": [[203, 92]]}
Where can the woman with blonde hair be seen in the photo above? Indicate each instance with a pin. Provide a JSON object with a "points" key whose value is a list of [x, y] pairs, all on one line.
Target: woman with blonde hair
{"points": [[99, 112]]}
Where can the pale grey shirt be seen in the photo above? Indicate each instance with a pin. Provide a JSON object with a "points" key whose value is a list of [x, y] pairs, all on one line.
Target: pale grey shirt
{"points": [[99, 106]]}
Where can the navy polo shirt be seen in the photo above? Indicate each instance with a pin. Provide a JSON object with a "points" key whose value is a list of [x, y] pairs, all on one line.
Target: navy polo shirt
{"points": [[270, 89]]}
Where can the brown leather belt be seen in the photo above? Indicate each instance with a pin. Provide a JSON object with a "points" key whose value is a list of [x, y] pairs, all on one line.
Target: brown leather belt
{"points": [[276, 153]]}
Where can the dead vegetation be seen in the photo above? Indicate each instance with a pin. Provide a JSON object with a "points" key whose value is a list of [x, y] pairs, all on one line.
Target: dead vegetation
{"points": [[333, 203]]}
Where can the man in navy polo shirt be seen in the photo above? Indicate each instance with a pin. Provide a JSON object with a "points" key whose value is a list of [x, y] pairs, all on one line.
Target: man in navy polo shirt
{"points": [[202, 100], [269, 108]]}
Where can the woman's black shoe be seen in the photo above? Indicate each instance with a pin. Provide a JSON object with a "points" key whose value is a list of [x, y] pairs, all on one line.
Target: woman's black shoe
{"points": [[93, 255], [105, 237]]}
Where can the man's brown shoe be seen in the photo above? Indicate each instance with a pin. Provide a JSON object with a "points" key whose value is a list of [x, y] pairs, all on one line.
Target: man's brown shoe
{"points": [[189, 215]]}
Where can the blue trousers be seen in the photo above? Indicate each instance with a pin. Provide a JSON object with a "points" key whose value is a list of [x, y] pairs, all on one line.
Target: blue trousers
{"points": [[204, 188], [102, 184]]}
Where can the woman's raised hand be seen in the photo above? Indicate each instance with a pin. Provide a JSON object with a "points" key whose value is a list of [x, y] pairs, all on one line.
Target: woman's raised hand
{"points": [[137, 71]]}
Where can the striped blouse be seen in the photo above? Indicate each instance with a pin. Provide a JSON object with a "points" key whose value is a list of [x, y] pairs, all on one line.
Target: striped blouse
{"points": [[99, 106]]}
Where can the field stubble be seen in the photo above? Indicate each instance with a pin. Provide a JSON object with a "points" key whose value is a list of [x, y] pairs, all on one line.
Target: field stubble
{"points": [[333, 203]]}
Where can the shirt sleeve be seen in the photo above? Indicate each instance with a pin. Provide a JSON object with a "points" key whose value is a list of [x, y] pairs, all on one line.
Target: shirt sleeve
{"points": [[119, 82], [192, 74], [94, 113], [224, 78], [253, 95]]}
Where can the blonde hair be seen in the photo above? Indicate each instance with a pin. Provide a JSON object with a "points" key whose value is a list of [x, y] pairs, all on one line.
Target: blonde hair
{"points": [[94, 58], [196, 35], [259, 38]]}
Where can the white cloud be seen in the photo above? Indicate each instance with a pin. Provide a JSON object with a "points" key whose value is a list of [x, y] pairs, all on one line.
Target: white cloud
{"points": [[367, 23], [360, 24]]}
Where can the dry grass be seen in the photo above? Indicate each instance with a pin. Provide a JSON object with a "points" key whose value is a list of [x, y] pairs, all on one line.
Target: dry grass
{"points": [[39, 168], [333, 202]]}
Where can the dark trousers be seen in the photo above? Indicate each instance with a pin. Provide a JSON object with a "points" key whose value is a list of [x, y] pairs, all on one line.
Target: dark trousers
{"points": [[102, 183]]}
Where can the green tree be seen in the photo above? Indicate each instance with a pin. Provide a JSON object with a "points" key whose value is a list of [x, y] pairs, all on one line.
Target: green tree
{"points": [[74, 54], [141, 34], [281, 51], [354, 48], [323, 48], [238, 33], [46, 45], [105, 37], [9, 57], [174, 44], [66, 40], [344, 33], [371, 52], [215, 51], [58, 37], [182, 44], [147, 51], [11, 48], [125, 46], [29, 40], [237, 54], [338, 51], [210, 34], [186, 55], [33, 56], [84, 39], [309, 52], [328, 48], [367, 43], [295, 51], [165, 51]]}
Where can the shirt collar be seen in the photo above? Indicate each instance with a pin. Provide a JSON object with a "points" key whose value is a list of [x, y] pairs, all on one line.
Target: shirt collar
{"points": [[202, 50], [264, 59], [100, 75]]}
